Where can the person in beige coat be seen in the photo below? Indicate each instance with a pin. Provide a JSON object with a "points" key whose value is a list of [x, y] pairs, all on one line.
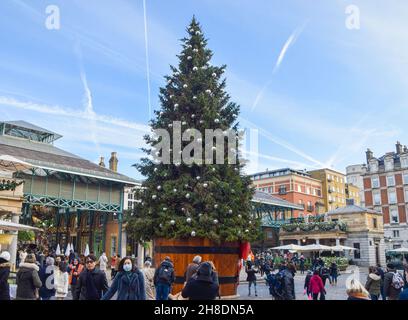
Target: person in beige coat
{"points": [[148, 273]]}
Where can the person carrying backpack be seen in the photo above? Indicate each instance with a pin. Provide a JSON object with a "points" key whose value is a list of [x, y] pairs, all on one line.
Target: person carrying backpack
{"points": [[275, 282], [163, 279], [393, 283]]}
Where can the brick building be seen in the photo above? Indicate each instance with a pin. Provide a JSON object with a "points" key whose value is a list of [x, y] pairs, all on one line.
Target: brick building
{"points": [[294, 186], [386, 191]]}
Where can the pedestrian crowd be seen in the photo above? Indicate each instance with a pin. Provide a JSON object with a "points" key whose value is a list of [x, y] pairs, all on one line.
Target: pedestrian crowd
{"points": [[45, 275], [280, 269]]}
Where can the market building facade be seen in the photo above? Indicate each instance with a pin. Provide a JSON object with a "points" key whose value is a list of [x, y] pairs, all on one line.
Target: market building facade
{"points": [[79, 202]]}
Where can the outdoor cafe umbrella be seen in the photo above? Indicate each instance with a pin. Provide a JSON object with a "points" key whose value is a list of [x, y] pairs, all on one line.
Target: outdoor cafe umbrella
{"points": [[342, 248], [315, 247], [67, 250], [58, 250], [399, 250], [293, 247], [86, 253], [72, 247]]}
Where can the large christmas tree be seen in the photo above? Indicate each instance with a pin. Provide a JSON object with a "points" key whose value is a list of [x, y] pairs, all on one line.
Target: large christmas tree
{"points": [[199, 199]]}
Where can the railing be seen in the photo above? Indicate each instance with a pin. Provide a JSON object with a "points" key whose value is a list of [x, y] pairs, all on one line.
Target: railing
{"points": [[314, 226]]}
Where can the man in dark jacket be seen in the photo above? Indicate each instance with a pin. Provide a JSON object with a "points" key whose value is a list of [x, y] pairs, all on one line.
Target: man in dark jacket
{"points": [[288, 284], [251, 271], [163, 279], [390, 291], [92, 283], [5, 266], [381, 273], [202, 286]]}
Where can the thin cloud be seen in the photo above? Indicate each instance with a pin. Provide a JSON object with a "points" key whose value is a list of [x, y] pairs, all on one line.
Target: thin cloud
{"points": [[289, 42], [71, 113], [282, 143]]}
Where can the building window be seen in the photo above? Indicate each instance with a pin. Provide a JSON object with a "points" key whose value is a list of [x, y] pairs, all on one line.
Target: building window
{"points": [[390, 181], [377, 198], [375, 182], [394, 215], [130, 205], [299, 188], [389, 165], [396, 233], [130, 196], [269, 235], [282, 189], [308, 190], [270, 189], [404, 162], [375, 223], [392, 196], [405, 178], [357, 251]]}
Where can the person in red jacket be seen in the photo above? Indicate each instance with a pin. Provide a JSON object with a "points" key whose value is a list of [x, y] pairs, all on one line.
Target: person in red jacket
{"points": [[316, 286]]}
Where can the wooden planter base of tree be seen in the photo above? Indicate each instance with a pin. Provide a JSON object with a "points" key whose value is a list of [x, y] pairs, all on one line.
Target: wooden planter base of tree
{"points": [[225, 256]]}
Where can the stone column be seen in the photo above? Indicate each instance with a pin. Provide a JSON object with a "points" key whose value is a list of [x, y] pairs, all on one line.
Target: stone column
{"points": [[317, 241], [140, 255], [13, 246], [299, 242], [337, 241]]}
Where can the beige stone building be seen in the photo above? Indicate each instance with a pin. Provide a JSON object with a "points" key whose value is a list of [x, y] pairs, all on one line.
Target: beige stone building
{"points": [[351, 225], [333, 187]]}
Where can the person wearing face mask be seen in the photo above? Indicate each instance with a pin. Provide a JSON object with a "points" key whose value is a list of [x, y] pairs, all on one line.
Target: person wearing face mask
{"points": [[128, 283]]}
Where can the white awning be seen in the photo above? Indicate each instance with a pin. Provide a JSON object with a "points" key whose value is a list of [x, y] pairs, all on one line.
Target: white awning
{"points": [[11, 226], [10, 163], [293, 247], [399, 250], [315, 247]]}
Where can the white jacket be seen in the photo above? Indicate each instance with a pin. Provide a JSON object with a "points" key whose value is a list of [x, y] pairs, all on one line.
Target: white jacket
{"points": [[60, 283], [103, 261]]}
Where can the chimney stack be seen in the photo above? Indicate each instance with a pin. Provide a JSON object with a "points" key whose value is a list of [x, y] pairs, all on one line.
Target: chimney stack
{"points": [[398, 147], [369, 155], [102, 162], [113, 162]]}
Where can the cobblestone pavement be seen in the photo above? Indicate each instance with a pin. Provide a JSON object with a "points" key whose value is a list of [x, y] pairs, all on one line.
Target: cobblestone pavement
{"points": [[333, 292]]}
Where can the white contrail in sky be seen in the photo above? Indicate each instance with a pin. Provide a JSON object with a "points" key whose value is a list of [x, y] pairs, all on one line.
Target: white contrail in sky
{"points": [[291, 40], [147, 59]]}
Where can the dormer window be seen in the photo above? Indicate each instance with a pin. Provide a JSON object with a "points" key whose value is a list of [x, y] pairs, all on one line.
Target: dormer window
{"points": [[374, 166], [389, 164], [404, 162]]}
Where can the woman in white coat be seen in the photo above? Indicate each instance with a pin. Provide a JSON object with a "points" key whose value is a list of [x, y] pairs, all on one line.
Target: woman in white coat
{"points": [[103, 262], [61, 281]]}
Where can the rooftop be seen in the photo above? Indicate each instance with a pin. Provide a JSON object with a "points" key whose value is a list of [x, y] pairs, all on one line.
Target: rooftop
{"points": [[266, 198], [280, 172], [29, 131], [46, 156], [350, 209]]}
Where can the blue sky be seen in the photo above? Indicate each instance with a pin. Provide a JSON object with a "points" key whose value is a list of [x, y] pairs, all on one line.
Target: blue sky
{"points": [[318, 92]]}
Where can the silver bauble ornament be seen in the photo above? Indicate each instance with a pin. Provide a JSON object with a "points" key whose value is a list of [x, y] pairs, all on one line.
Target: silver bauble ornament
{"points": [[239, 216], [187, 195], [216, 120], [193, 233], [195, 69], [215, 221], [230, 211], [188, 220], [185, 86], [154, 196], [205, 185], [158, 187], [215, 206], [198, 177], [208, 91], [172, 222], [189, 57], [174, 190]]}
